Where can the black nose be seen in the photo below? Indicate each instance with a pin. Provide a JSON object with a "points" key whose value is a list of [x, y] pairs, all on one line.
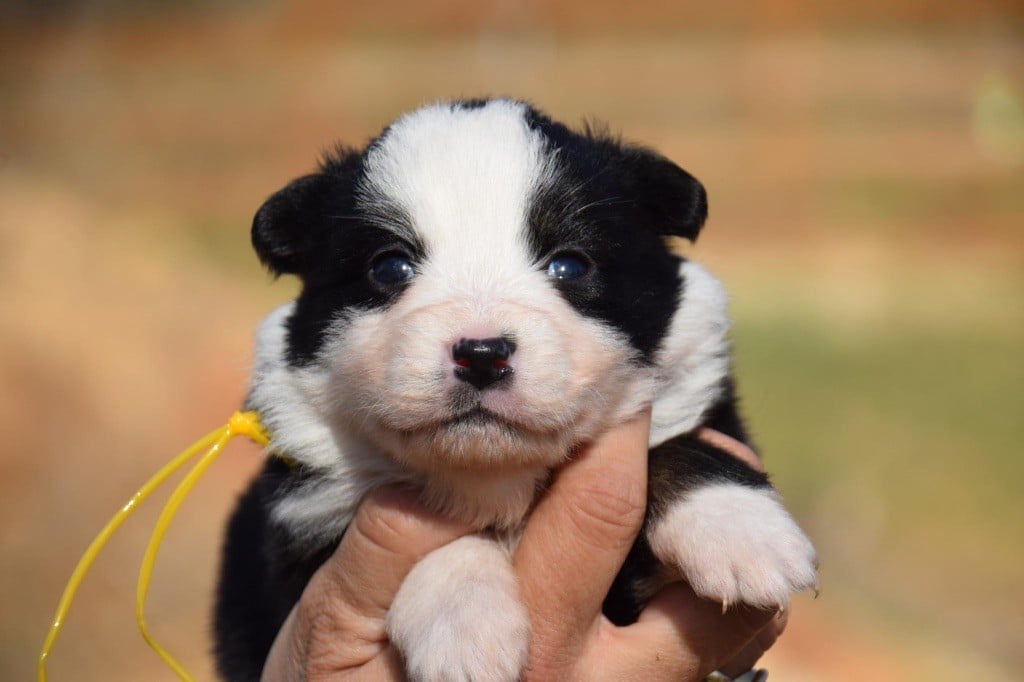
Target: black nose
{"points": [[483, 362]]}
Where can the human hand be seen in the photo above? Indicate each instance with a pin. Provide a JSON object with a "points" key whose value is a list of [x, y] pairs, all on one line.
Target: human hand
{"points": [[336, 631], [572, 547]]}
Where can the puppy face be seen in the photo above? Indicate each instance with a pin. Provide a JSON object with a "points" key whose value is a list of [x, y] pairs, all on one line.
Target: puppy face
{"points": [[482, 287]]}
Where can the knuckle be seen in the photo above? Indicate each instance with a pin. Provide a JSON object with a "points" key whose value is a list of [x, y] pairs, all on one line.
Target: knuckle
{"points": [[385, 523], [316, 615], [328, 624], [608, 512]]}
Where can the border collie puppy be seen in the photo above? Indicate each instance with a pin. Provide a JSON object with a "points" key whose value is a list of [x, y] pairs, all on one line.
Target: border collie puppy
{"points": [[483, 291]]}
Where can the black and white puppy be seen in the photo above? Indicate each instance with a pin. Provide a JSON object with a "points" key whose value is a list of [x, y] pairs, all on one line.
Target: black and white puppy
{"points": [[483, 290]]}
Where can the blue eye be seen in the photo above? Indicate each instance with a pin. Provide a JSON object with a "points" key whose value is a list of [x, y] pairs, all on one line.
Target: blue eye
{"points": [[567, 266], [391, 269]]}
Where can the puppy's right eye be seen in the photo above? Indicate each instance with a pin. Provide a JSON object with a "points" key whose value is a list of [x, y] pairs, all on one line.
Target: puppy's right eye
{"points": [[391, 269]]}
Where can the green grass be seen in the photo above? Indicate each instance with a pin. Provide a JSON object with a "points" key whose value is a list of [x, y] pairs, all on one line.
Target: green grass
{"points": [[898, 443], [933, 419]]}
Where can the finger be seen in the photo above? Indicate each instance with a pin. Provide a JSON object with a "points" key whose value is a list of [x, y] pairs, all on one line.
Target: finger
{"points": [[582, 529], [690, 633], [749, 655], [736, 448], [294, 657]]}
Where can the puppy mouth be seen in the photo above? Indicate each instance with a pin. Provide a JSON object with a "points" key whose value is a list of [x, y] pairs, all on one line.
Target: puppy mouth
{"points": [[478, 416], [467, 415], [470, 420]]}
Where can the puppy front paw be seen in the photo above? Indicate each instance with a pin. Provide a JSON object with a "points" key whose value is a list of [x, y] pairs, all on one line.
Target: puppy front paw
{"points": [[735, 543], [458, 617]]}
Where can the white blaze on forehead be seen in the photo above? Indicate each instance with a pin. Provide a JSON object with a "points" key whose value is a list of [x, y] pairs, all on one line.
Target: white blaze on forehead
{"points": [[465, 178]]}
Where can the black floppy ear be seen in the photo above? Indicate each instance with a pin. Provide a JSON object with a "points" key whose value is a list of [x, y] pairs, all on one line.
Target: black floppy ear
{"points": [[673, 201], [291, 227], [286, 226]]}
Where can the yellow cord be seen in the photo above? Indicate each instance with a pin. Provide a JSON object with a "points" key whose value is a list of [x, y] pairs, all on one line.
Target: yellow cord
{"points": [[246, 424]]}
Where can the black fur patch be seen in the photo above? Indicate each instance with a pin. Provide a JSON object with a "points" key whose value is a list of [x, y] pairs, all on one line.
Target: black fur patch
{"points": [[340, 283], [676, 467], [685, 463], [262, 577], [664, 198], [472, 103], [615, 204], [316, 228], [724, 415]]}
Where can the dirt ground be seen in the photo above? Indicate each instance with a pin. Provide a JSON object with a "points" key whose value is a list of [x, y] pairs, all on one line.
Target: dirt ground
{"points": [[866, 179]]}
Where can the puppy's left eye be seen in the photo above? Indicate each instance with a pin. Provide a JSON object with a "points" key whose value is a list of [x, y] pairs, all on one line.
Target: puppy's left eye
{"points": [[568, 266], [391, 269]]}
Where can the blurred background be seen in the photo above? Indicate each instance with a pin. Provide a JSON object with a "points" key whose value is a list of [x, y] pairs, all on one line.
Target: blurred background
{"points": [[865, 166]]}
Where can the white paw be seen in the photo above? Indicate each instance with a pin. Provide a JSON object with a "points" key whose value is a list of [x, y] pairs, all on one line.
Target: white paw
{"points": [[458, 617], [735, 543]]}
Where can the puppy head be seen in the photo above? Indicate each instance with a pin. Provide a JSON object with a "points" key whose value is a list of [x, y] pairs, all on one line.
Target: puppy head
{"points": [[482, 286]]}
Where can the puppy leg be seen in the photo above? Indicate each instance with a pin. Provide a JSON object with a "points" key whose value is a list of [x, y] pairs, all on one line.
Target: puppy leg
{"points": [[458, 616], [723, 526]]}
